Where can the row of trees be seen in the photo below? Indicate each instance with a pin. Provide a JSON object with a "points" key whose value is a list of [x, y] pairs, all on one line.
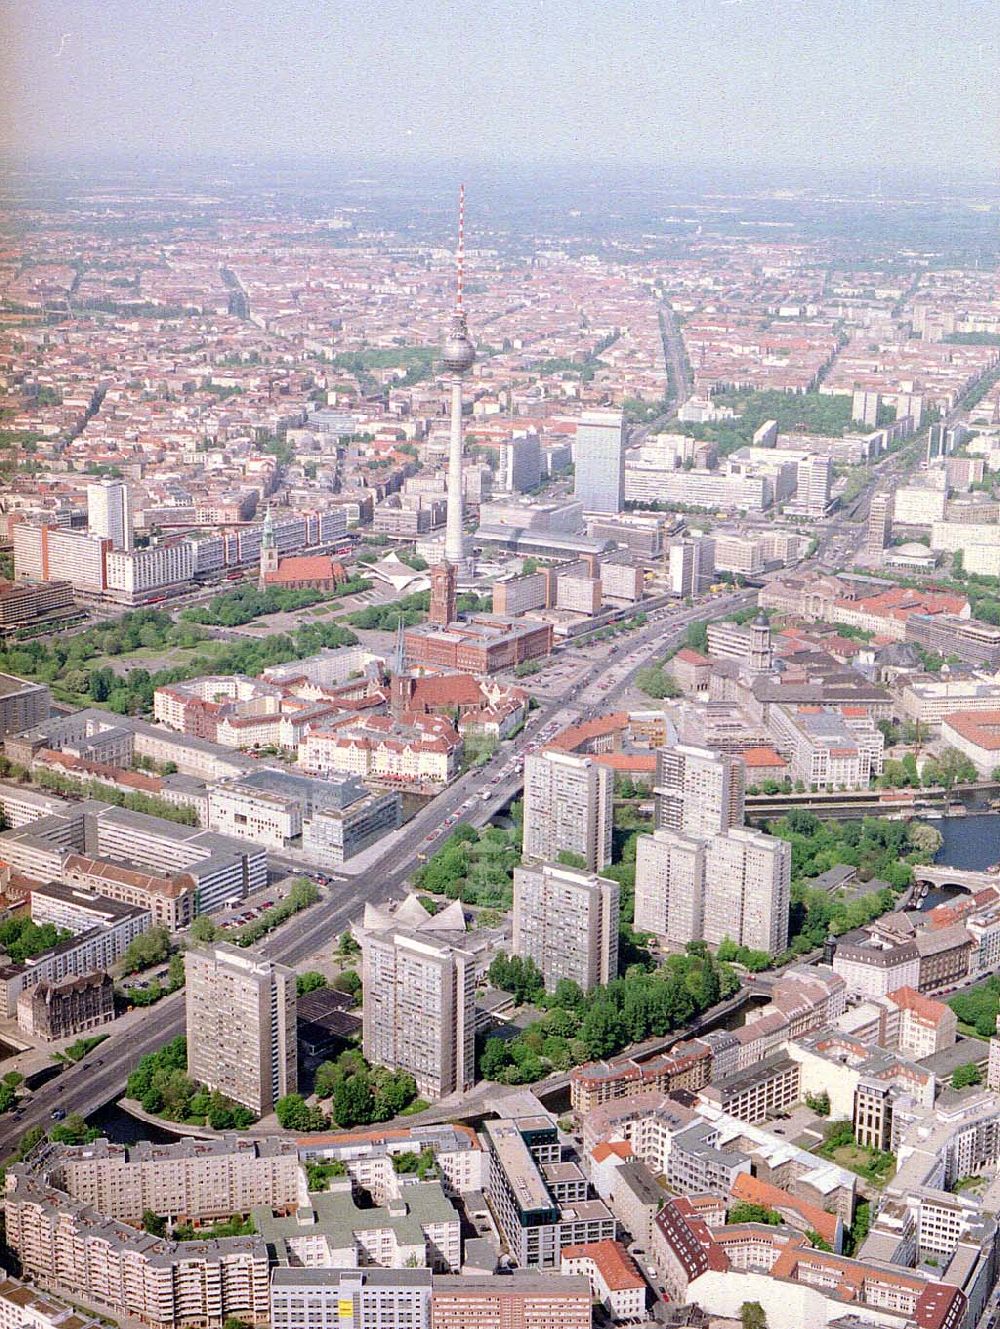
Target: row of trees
{"points": [[578, 1027], [359, 1095], [162, 1086], [244, 603]]}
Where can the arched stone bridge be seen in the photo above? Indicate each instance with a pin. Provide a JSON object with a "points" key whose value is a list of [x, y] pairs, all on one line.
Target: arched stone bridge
{"points": [[960, 878]]}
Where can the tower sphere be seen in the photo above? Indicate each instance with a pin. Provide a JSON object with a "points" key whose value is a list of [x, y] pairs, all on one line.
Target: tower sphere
{"points": [[458, 351]]}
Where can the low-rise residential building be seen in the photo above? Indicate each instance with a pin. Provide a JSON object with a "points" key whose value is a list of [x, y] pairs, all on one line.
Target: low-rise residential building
{"points": [[67, 1008], [532, 1301], [614, 1279]]}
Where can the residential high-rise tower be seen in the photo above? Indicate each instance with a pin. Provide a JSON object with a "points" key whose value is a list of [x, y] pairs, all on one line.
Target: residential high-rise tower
{"points": [[567, 808], [698, 791], [567, 922], [241, 1033], [420, 987]]}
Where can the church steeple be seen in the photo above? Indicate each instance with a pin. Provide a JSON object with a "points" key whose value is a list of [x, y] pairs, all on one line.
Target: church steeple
{"points": [[268, 550]]}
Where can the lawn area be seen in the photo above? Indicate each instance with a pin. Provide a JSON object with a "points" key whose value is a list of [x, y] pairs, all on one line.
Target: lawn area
{"points": [[876, 1168]]}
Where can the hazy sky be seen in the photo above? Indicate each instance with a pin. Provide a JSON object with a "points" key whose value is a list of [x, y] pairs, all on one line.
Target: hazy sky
{"points": [[832, 83]]}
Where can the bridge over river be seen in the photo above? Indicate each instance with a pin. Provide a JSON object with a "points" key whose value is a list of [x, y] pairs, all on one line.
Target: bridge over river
{"points": [[962, 879]]}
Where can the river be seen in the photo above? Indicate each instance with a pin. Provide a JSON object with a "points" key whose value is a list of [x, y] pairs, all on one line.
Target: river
{"points": [[969, 842]]}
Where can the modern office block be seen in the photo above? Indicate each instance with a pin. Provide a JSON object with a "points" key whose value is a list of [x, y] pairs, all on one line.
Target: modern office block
{"points": [[692, 565], [568, 807], [567, 922], [241, 1033], [109, 512], [599, 458]]}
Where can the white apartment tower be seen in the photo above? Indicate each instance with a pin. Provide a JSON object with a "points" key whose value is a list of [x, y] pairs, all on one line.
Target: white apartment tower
{"points": [[691, 565], [698, 791], [567, 922], [748, 890], [109, 512], [814, 485], [241, 1032], [567, 808], [420, 995], [670, 886]]}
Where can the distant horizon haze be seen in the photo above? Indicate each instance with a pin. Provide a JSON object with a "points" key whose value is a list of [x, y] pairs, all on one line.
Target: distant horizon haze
{"points": [[716, 87]]}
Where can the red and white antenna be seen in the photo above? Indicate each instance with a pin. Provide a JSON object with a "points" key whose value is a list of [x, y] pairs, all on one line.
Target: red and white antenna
{"points": [[460, 256]]}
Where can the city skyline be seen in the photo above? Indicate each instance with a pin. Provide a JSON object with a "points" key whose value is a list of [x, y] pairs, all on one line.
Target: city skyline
{"points": [[756, 83]]}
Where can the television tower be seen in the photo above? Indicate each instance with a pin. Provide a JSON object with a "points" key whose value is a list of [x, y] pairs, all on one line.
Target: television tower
{"points": [[458, 354]]}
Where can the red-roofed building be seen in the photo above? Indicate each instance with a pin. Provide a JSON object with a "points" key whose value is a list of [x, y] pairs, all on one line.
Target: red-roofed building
{"points": [[976, 734], [614, 1279], [799, 1214], [796, 1284], [301, 572]]}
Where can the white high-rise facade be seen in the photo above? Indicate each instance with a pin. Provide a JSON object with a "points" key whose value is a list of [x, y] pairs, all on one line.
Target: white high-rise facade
{"points": [[568, 807], [109, 512], [692, 565], [420, 995], [670, 886], [815, 482], [567, 922], [599, 461], [698, 791], [748, 890]]}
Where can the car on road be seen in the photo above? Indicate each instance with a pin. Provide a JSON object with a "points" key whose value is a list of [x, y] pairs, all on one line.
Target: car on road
{"points": [[57, 1114]]}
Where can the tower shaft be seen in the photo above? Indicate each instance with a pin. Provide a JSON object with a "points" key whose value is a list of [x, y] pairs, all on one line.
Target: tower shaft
{"points": [[454, 542]]}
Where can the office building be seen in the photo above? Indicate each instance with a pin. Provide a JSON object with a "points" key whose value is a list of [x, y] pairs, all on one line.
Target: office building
{"points": [[109, 512], [748, 890], [879, 531], [51, 553], [814, 485], [419, 982], [22, 704], [526, 1301], [535, 1219], [670, 886], [241, 1035], [568, 807], [67, 1008], [367, 1298], [519, 463], [567, 922], [692, 565], [31, 602], [698, 791], [599, 458]]}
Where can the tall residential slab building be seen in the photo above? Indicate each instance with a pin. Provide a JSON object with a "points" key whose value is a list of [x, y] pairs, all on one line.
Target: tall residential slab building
{"points": [[241, 1033], [109, 512], [698, 791], [879, 531], [420, 986], [748, 890], [567, 807], [567, 922], [691, 566], [599, 459], [670, 886]]}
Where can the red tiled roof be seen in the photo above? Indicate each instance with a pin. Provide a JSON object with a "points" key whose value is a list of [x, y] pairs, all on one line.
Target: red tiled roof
{"points": [[751, 1190], [759, 757], [613, 1262]]}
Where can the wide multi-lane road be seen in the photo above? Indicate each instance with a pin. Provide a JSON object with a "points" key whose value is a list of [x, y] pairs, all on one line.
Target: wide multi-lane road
{"points": [[101, 1077]]}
